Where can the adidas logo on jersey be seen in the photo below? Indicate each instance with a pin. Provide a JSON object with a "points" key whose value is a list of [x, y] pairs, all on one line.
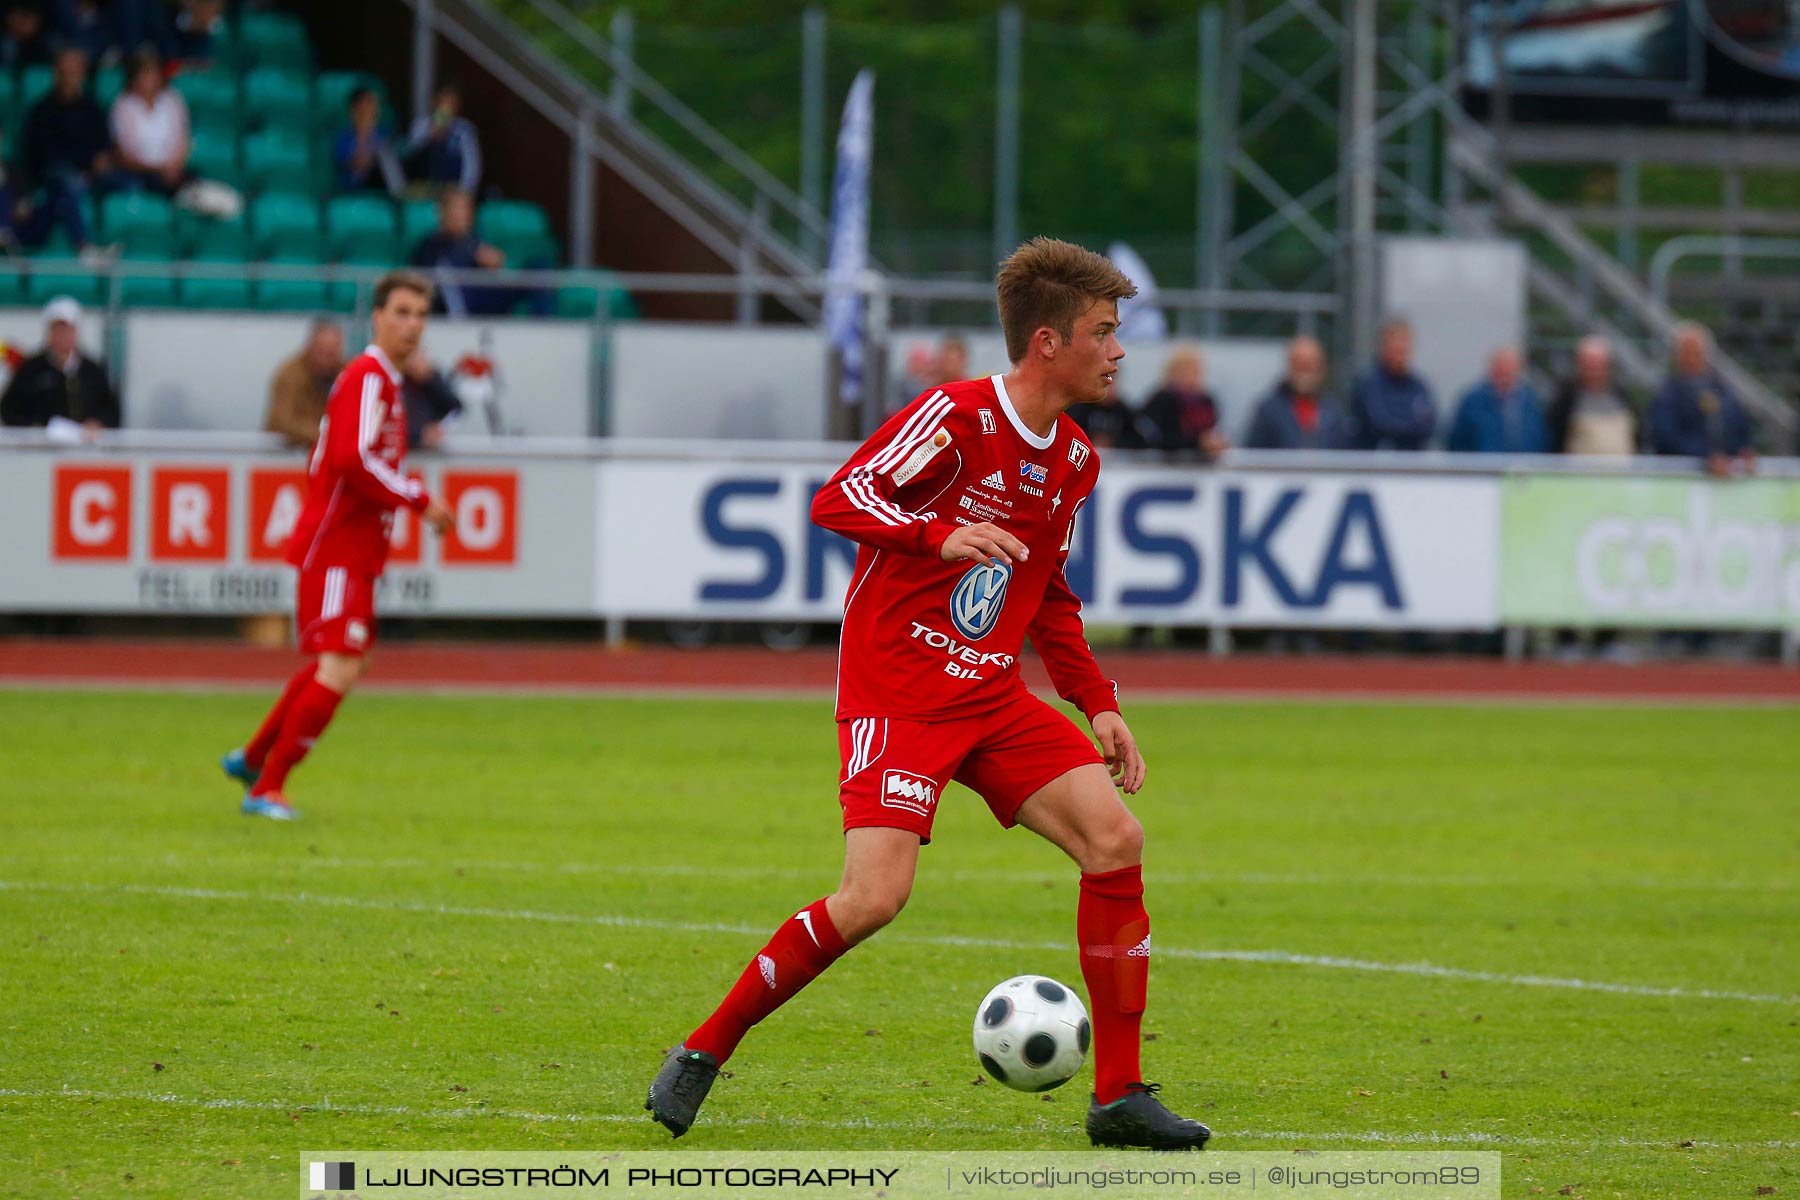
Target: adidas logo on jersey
{"points": [[996, 481], [903, 789]]}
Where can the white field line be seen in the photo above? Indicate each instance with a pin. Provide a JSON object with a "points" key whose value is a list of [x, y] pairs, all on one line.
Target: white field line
{"points": [[1419, 698], [1273, 957], [828, 874], [1380, 1137]]}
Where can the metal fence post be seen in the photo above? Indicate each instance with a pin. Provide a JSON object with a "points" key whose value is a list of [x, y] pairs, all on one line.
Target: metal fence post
{"points": [[812, 128], [621, 32], [581, 188], [1210, 167], [1010, 27], [424, 56]]}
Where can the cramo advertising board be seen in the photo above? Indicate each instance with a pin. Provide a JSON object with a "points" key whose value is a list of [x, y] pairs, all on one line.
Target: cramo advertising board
{"points": [[1653, 552]]}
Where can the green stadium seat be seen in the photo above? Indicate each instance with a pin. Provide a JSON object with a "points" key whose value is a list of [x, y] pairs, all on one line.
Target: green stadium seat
{"points": [[418, 218], [274, 39], [210, 238], [276, 161], [207, 91], [498, 220], [12, 282], [9, 90], [348, 218], [293, 293], [108, 83], [129, 216], [84, 285], [597, 290], [34, 84], [530, 250], [284, 220], [153, 291], [215, 156], [277, 96], [224, 243]]}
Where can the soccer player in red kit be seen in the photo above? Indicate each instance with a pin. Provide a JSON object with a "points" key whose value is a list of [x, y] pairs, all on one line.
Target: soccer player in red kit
{"points": [[964, 506], [340, 543]]}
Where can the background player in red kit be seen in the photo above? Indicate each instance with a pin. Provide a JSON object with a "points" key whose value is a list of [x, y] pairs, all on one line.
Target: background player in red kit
{"points": [[340, 543], [964, 506]]}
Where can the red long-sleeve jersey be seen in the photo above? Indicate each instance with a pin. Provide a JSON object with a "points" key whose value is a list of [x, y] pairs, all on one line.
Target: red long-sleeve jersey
{"points": [[354, 482], [927, 640]]}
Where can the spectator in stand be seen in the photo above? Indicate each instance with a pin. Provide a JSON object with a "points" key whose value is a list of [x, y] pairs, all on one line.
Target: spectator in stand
{"points": [[86, 25], [302, 385], [951, 365], [1696, 414], [150, 128], [363, 152], [1502, 414], [432, 405], [67, 146], [25, 224], [1181, 417], [1391, 407], [1299, 414], [454, 246], [442, 149], [60, 389], [1590, 415], [1112, 424], [24, 44], [191, 39]]}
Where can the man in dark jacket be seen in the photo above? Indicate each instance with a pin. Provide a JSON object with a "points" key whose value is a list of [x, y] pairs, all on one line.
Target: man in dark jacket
{"points": [[67, 143], [1298, 414], [453, 245], [1696, 414], [1391, 407], [61, 389], [1181, 417]]}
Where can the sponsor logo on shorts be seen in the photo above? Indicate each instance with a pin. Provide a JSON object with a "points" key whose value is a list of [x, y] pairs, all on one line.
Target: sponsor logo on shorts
{"points": [[904, 790], [976, 603], [1078, 454]]}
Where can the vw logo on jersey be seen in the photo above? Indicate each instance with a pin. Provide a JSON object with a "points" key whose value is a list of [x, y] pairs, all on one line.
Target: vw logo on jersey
{"points": [[979, 596]]}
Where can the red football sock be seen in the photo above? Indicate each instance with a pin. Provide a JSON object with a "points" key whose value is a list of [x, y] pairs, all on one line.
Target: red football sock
{"points": [[799, 952], [1114, 932], [256, 750], [306, 719]]}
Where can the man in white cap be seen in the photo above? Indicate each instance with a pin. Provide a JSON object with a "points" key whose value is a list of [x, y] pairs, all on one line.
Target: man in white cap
{"points": [[60, 389]]}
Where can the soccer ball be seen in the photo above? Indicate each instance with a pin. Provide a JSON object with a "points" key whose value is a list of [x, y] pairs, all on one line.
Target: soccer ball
{"points": [[1032, 1033]]}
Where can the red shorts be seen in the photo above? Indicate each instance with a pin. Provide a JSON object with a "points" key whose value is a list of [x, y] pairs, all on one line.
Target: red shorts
{"points": [[894, 771], [337, 612]]}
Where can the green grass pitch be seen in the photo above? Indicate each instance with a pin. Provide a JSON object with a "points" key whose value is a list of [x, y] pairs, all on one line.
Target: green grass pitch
{"points": [[498, 911]]}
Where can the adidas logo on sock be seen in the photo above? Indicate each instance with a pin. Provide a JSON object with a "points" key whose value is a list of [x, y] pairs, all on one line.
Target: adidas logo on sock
{"points": [[767, 966], [996, 481], [1141, 950]]}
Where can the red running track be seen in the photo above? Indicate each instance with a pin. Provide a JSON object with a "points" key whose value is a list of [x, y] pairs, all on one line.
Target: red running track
{"points": [[591, 667]]}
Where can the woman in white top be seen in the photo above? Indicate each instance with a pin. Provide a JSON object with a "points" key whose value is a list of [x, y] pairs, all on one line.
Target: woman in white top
{"points": [[150, 128]]}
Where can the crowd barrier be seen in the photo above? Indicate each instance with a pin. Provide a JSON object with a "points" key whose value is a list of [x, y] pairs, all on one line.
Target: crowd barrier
{"points": [[187, 523]]}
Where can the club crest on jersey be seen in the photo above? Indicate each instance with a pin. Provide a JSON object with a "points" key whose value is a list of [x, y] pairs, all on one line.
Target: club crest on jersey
{"points": [[1078, 454], [988, 423], [979, 596], [915, 462], [1033, 472]]}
